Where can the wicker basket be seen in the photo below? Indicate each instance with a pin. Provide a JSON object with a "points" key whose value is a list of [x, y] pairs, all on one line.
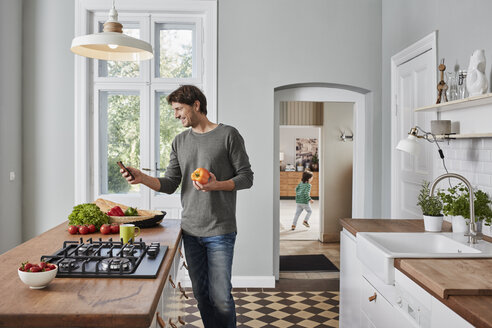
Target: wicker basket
{"points": [[144, 219]]}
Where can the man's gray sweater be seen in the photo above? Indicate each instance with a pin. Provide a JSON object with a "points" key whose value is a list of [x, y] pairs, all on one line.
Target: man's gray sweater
{"points": [[222, 152]]}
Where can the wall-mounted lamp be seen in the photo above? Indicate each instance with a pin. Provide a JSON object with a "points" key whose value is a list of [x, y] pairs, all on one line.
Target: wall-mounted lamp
{"points": [[411, 144], [344, 137], [112, 44]]}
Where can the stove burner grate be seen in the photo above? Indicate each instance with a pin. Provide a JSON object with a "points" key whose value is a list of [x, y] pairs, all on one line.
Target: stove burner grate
{"points": [[107, 259], [115, 263]]}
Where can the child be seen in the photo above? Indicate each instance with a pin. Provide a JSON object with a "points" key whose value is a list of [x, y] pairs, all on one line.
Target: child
{"points": [[303, 199]]}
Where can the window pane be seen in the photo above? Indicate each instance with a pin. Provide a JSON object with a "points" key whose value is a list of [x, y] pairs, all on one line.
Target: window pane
{"points": [[176, 50], [120, 139], [169, 127], [110, 68]]}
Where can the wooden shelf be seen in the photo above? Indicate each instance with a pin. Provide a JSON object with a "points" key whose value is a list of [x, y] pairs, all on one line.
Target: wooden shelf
{"points": [[464, 136], [459, 104]]}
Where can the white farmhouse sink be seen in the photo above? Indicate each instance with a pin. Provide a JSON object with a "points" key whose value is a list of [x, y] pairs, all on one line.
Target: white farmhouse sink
{"points": [[377, 250]]}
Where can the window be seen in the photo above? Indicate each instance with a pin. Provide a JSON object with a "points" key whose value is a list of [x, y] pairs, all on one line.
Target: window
{"points": [[121, 108]]}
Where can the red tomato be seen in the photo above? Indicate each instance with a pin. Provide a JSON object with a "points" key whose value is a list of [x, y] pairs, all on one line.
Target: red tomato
{"points": [[105, 229], [51, 266], [42, 265], [27, 266], [73, 229], [115, 228], [84, 230], [92, 228], [35, 268]]}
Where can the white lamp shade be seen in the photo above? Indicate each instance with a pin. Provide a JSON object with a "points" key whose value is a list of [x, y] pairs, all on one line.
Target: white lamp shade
{"points": [[409, 145], [281, 156], [97, 46]]}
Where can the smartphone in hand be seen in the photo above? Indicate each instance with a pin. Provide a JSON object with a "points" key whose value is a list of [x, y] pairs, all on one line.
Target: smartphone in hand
{"points": [[120, 164]]}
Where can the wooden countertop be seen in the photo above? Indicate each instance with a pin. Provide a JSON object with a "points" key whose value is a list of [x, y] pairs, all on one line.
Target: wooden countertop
{"points": [[474, 309], [77, 302]]}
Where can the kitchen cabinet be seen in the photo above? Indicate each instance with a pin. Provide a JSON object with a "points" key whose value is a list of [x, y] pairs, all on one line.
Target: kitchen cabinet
{"points": [[349, 281], [365, 301], [171, 307], [374, 306], [290, 180]]}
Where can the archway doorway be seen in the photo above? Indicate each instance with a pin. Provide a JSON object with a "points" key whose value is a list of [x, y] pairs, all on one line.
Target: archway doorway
{"points": [[362, 150]]}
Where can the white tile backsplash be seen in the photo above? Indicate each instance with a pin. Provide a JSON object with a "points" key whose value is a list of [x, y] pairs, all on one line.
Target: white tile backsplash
{"points": [[471, 158]]}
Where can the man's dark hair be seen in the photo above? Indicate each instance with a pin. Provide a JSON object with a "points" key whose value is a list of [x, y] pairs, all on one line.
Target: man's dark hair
{"points": [[188, 94], [306, 175]]}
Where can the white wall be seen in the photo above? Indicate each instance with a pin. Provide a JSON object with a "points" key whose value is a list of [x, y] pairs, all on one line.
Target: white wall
{"points": [[268, 44], [10, 123], [462, 26], [48, 114], [287, 140], [336, 161]]}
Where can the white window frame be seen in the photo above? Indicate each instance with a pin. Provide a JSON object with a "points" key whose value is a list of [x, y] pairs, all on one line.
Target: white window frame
{"points": [[143, 21], [198, 69], [86, 12]]}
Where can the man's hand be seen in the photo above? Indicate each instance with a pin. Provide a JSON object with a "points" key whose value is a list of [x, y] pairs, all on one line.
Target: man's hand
{"points": [[136, 173], [311, 201], [212, 184]]}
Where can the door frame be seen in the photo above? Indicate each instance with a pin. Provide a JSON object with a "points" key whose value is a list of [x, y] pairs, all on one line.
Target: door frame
{"points": [[426, 44], [362, 204]]}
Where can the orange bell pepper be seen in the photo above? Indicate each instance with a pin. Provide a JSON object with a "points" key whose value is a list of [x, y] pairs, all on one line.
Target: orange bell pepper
{"points": [[200, 175]]}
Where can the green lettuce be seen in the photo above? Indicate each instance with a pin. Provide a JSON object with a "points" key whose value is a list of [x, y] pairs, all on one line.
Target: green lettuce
{"points": [[87, 214]]}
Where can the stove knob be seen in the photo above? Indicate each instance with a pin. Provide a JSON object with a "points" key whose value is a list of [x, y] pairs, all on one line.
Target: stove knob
{"points": [[399, 301]]}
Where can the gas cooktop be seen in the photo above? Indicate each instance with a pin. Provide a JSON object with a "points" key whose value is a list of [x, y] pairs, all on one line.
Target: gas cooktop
{"points": [[107, 259]]}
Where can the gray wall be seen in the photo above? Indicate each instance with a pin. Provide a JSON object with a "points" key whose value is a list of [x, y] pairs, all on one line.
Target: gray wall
{"points": [[267, 44], [48, 114], [262, 45], [462, 26], [10, 122]]}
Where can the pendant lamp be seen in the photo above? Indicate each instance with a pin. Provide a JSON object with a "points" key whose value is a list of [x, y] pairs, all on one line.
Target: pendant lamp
{"points": [[112, 44]]}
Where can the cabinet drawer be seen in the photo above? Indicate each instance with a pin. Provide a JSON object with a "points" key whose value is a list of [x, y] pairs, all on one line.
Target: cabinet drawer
{"points": [[379, 311]]}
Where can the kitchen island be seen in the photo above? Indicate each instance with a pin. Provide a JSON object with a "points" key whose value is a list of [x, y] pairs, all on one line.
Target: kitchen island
{"points": [[474, 309], [84, 302]]}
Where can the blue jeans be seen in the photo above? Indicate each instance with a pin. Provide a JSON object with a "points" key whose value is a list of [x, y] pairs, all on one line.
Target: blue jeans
{"points": [[299, 208], [210, 264]]}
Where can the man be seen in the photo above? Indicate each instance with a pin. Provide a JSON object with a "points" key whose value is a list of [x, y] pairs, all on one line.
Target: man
{"points": [[209, 210]]}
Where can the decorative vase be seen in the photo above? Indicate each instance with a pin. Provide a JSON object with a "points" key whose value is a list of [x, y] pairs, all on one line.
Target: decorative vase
{"points": [[460, 224], [476, 81], [433, 223]]}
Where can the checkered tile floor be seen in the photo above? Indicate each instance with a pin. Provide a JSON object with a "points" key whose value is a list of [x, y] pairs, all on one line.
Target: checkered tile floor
{"points": [[278, 309]]}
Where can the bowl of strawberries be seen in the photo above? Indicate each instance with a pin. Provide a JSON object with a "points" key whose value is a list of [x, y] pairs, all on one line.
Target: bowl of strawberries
{"points": [[37, 276]]}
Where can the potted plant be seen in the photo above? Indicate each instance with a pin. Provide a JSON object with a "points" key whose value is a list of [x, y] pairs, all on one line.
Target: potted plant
{"points": [[315, 162], [483, 213], [457, 205], [431, 208]]}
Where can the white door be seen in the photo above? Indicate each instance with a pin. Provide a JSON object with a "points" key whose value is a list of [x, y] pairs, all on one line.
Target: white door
{"points": [[414, 85]]}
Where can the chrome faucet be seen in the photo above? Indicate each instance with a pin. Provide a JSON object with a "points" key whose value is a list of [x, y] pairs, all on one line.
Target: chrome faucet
{"points": [[472, 228]]}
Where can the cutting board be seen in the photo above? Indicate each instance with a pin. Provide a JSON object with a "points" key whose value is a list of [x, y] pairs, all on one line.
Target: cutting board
{"points": [[446, 277]]}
